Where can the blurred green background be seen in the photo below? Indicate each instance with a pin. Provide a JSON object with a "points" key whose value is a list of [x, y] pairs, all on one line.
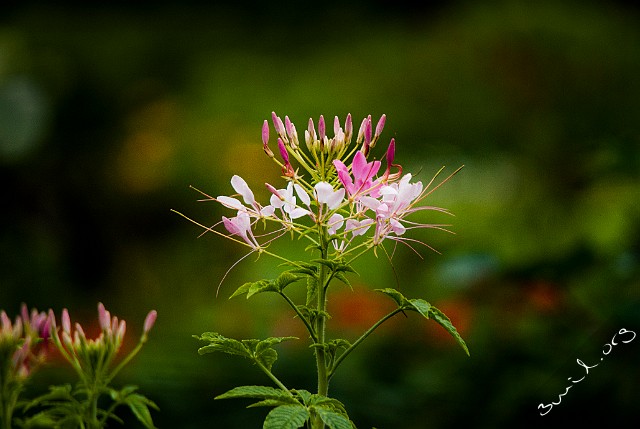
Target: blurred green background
{"points": [[108, 113]]}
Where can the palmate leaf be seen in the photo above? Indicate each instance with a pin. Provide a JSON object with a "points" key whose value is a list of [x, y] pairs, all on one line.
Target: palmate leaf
{"points": [[139, 406], [276, 285], [259, 351], [218, 343], [290, 416], [428, 311], [333, 419], [254, 392]]}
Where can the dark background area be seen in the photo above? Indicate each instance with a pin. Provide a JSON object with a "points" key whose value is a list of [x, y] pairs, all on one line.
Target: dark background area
{"points": [[109, 112]]}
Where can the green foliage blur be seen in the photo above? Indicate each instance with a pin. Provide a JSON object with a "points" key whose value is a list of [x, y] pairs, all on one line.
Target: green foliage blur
{"points": [[108, 113]]}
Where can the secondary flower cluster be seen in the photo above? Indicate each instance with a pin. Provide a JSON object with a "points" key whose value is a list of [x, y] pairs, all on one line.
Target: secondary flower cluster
{"points": [[23, 343], [342, 190], [89, 356]]}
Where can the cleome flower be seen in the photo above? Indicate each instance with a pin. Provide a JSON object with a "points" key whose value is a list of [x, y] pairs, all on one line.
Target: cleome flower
{"points": [[338, 185]]}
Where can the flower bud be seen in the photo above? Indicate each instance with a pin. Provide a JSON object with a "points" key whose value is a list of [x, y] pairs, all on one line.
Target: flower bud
{"points": [[283, 151], [279, 126], [321, 128], [104, 317], [380, 125], [265, 133], [149, 321], [66, 321], [348, 129]]}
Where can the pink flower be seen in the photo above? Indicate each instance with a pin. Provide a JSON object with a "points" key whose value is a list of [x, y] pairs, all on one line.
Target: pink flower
{"points": [[363, 173], [240, 225]]}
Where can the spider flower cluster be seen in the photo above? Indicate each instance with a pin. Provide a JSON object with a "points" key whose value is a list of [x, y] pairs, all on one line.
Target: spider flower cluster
{"points": [[23, 343], [333, 183], [92, 358]]}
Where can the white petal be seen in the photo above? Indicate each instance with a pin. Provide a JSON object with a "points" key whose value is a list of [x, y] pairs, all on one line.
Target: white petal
{"points": [[231, 202], [302, 194], [242, 188]]}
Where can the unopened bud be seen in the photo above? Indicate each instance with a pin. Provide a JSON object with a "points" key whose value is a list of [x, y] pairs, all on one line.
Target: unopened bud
{"points": [[265, 133], [104, 317], [66, 321], [321, 128], [348, 129], [380, 125], [149, 321], [279, 126], [283, 151]]}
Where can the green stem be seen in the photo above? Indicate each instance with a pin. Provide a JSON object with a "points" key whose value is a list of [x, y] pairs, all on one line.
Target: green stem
{"points": [[339, 360], [321, 360], [301, 316], [272, 377]]}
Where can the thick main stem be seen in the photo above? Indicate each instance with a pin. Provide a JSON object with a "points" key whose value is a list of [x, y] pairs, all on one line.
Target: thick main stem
{"points": [[321, 360]]}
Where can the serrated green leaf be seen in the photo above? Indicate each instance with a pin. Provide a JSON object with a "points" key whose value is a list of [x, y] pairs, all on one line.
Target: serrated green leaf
{"points": [[260, 392], [139, 406], [267, 357], [242, 290], [444, 321], [340, 276], [395, 295], [421, 306], [273, 402], [285, 279], [261, 286], [286, 417], [305, 395], [333, 419], [219, 343]]}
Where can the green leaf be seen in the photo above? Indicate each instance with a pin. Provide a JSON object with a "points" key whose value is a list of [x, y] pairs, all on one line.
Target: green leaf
{"points": [[266, 355], [333, 419], [444, 321], [260, 392], [340, 276], [261, 286], [394, 295], [139, 406], [273, 402], [286, 417], [421, 306], [218, 343], [285, 279], [305, 395], [241, 290]]}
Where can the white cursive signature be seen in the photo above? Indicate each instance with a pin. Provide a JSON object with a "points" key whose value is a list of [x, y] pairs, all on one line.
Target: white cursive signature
{"points": [[610, 345]]}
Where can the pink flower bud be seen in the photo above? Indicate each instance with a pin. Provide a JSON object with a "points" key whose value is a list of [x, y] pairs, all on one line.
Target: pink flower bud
{"points": [[104, 317], [380, 125], [66, 321], [283, 151], [391, 152], [312, 130], [278, 125], [348, 128], [321, 128], [149, 321], [367, 133], [336, 125], [265, 133]]}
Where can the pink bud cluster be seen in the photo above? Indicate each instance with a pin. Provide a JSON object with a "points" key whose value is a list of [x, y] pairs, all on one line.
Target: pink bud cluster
{"points": [[93, 355], [24, 342]]}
